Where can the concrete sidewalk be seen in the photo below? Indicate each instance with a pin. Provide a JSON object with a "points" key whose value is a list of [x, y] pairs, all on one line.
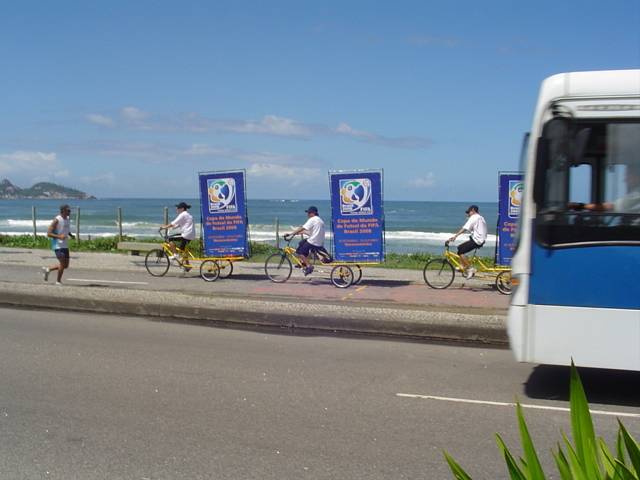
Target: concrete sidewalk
{"points": [[389, 302]]}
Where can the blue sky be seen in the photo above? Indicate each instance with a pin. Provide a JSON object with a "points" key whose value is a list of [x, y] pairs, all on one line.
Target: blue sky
{"points": [[132, 99]]}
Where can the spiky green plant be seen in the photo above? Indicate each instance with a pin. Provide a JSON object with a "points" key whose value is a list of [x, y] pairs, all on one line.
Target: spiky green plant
{"points": [[587, 458]]}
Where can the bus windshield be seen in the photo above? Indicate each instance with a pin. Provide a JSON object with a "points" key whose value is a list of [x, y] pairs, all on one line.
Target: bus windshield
{"points": [[588, 182]]}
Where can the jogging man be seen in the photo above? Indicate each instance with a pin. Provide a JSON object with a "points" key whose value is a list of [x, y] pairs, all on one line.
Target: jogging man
{"points": [[184, 221], [314, 229], [59, 230], [477, 227]]}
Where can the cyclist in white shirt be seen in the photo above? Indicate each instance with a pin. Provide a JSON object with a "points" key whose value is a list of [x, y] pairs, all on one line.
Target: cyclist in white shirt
{"points": [[58, 232], [314, 229], [477, 227], [184, 221]]}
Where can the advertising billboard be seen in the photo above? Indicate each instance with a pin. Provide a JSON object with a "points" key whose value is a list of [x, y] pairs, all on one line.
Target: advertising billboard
{"points": [[357, 216], [223, 205]]}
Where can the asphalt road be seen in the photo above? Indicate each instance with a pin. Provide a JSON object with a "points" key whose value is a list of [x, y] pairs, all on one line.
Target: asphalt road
{"points": [[93, 396]]}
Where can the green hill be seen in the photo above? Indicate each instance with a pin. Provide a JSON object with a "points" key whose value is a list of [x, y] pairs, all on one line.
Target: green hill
{"points": [[41, 190]]}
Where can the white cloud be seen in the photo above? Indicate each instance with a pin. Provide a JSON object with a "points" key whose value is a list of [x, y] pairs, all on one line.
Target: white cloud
{"points": [[273, 125], [101, 179], [425, 181], [269, 125], [368, 137], [133, 115], [159, 153], [345, 129], [101, 120], [293, 174], [26, 162]]}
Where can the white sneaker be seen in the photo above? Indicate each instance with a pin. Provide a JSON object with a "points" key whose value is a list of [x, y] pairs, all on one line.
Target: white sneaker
{"points": [[58, 283], [45, 273], [470, 273]]}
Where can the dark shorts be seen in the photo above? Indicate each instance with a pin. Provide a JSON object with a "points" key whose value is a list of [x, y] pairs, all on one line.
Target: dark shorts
{"points": [[62, 253], [305, 248], [179, 241], [467, 246]]}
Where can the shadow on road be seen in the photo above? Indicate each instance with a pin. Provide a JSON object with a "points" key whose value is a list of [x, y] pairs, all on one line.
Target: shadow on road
{"points": [[609, 387]]}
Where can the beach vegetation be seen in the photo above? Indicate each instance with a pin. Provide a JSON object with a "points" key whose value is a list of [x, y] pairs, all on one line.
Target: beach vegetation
{"points": [[587, 458]]}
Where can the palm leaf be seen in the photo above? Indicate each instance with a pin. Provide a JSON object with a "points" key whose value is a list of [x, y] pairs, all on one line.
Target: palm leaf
{"points": [[608, 460], [632, 448], [563, 464], [457, 470], [534, 469], [515, 473], [577, 471], [582, 426], [624, 471]]}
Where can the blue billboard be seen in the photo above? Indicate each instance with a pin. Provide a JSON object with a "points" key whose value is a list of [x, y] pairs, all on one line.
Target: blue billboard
{"points": [[510, 187], [223, 205], [357, 216]]}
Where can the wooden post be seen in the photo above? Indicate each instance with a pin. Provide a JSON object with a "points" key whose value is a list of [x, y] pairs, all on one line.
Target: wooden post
{"points": [[33, 218], [277, 233], [119, 224], [78, 226], [166, 215]]}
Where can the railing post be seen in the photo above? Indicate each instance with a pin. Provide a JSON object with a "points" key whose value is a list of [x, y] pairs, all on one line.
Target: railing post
{"points": [[166, 215], [78, 227], [277, 233], [119, 224], [33, 218]]}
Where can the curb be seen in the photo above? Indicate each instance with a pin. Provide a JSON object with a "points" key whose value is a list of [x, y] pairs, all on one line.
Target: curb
{"points": [[422, 323]]}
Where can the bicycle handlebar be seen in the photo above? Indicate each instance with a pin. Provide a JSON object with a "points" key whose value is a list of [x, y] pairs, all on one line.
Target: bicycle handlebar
{"points": [[288, 237]]}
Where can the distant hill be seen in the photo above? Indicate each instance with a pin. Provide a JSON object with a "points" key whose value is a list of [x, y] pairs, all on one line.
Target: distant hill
{"points": [[41, 190]]}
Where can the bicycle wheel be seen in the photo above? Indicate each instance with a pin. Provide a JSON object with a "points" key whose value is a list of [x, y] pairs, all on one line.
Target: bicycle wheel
{"points": [[209, 270], [278, 268], [342, 276], [156, 262], [357, 272], [438, 273], [503, 282], [226, 268]]}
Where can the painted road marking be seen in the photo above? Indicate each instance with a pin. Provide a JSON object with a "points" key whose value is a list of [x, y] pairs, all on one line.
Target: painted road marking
{"points": [[507, 404], [106, 281], [359, 289]]}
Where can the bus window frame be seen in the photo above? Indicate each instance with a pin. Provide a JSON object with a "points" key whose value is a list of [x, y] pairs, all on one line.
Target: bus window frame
{"points": [[557, 225]]}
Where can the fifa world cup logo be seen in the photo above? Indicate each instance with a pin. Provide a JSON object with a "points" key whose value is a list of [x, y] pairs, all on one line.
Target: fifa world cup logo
{"points": [[222, 195]]}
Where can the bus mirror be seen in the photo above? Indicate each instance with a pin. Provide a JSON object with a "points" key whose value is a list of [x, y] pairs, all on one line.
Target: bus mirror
{"points": [[542, 164]]}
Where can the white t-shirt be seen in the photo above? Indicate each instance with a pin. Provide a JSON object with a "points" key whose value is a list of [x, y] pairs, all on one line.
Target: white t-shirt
{"points": [[184, 222], [477, 227], [314, 227], [630, 203], [63, 227]]}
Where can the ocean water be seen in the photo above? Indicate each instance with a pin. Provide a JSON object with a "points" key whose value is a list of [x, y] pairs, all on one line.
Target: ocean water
{"points": [[409, 226]]}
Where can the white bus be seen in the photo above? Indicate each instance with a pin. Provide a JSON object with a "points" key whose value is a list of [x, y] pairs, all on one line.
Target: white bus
{"points": [[577, 263]]}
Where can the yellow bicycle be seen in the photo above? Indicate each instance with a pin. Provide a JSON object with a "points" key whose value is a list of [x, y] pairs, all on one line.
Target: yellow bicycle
{"points": [[279, 266], [439, 273], [157, 261]]}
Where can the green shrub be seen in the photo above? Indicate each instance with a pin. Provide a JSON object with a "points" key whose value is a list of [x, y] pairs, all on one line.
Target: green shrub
{"points": [[587, 459]]}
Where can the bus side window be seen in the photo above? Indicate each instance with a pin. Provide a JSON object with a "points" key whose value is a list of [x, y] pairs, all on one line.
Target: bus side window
{"points": [[551, 182], [580, 183]]}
